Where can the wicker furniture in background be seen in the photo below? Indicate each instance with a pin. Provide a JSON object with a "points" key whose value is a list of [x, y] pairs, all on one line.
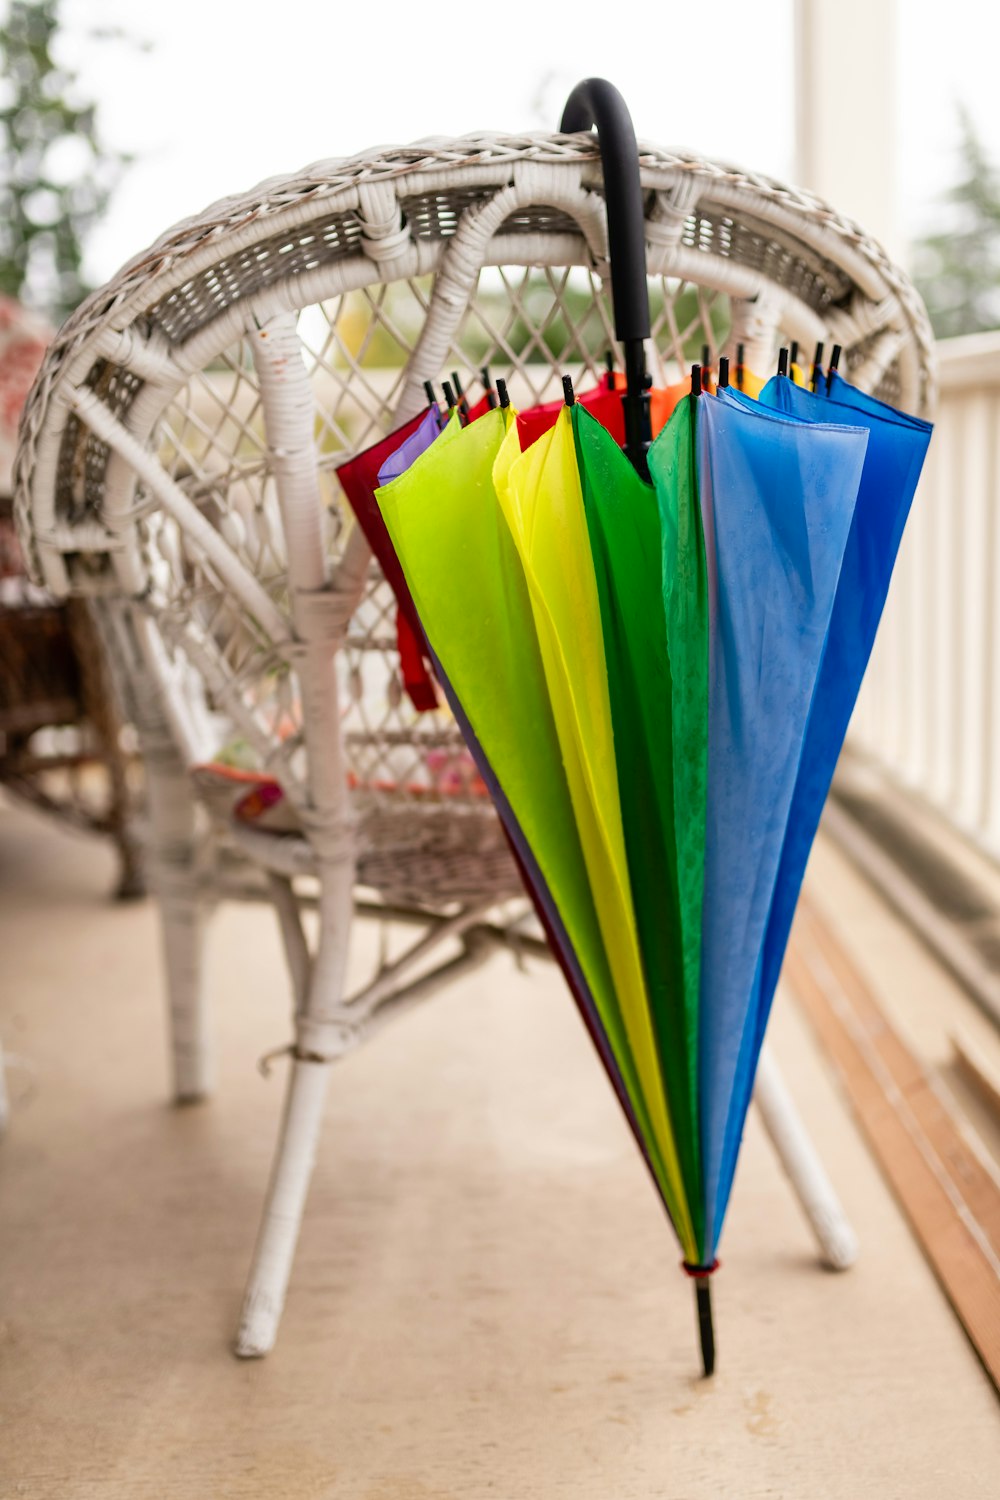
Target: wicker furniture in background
{"points": [[61, 744], [178, 468], [60, 740]]}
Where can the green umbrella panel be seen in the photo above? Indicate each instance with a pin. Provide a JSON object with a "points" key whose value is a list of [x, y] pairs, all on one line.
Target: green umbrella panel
{"points": [[649, 562], [466, 577]]}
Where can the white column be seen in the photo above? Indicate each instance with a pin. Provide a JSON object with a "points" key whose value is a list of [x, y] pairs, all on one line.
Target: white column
{"points": [[846, 63]]}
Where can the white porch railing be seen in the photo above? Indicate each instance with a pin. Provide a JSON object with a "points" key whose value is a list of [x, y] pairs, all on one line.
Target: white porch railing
{"points": [[929, 711]]}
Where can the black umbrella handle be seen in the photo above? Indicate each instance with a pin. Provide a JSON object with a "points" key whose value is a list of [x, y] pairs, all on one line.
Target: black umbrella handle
{"points": [[595, 102]]}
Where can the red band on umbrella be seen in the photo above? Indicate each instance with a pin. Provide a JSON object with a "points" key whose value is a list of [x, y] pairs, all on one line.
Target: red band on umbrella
{"points": [[699, 1272]]}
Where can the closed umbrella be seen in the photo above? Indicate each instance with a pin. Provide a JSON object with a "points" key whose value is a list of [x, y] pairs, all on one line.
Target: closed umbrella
{"points": [[618, 706], [634, 647]]}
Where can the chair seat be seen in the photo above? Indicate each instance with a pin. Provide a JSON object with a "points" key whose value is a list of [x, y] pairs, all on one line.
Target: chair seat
{"points": [[425, 856]]}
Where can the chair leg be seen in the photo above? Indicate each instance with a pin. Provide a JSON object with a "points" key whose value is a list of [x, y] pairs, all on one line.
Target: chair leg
{"points": [[182, 922], [279, 1230], [323, 1032], [836, 1238], [182, 916], [102, 709]]}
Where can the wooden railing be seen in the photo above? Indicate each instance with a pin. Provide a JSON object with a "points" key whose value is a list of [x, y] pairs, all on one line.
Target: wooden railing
{"points": [[929, 711]]}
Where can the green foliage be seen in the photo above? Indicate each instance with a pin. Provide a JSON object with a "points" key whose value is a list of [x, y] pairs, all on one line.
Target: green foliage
{"points": [[957, 269], [55, 175]]}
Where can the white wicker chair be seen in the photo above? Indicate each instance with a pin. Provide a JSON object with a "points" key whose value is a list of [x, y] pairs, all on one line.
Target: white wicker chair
{"points": [[177, 465]]}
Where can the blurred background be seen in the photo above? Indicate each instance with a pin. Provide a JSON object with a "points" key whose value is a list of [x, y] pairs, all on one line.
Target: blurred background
{"points": [[116, 122], [879, 106]]}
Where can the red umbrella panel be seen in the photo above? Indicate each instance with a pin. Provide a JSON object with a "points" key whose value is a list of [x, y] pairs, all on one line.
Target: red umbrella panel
{"points": [[604, 402], [359, 479]]}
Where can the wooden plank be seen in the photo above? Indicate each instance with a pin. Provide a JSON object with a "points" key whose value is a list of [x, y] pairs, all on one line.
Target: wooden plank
{"points": [[978, 1071], [970, 1171], [944, 1186], [949, 940]]}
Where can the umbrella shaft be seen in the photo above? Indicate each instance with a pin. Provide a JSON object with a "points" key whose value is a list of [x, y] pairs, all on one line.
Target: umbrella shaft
{"points": [[706, 1329], [635, 403]]}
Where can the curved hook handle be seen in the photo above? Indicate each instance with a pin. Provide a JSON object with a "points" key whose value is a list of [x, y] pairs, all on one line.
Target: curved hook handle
{"points": [[595, 101]]}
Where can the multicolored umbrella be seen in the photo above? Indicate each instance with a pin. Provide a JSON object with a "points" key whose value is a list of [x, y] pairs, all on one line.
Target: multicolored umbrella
{"points": [[635, 649], [635, 665]]}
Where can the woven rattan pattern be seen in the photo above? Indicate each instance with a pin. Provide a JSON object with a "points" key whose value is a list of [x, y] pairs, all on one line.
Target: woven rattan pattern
{"points": [[191, 305], [473, 157], [317, 243]]}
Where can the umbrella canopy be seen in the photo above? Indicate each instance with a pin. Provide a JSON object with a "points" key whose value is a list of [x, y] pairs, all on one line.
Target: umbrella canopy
{"points": [[541, 497], [636, 663], [359, 478], [897, 446], [656, 647], [635, 651], [748, 381], [777, 501], [469, 583]]}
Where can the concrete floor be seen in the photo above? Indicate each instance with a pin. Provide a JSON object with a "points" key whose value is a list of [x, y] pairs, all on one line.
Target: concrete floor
{"points": [[486, 1299]]}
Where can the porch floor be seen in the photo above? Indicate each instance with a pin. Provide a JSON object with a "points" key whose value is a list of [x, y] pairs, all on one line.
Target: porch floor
{"points": [[486, 1299]]}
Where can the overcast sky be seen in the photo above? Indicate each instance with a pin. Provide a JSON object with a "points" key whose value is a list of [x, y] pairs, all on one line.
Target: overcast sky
{"points": [[232, 91]]}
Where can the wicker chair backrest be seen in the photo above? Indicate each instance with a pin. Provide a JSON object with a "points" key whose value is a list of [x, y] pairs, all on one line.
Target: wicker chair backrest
{"points": [[181, 444]]}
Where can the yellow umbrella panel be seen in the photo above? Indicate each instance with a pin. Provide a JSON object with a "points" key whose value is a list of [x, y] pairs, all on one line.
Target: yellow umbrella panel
{"points": [[541, 496], [509, 606]]}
